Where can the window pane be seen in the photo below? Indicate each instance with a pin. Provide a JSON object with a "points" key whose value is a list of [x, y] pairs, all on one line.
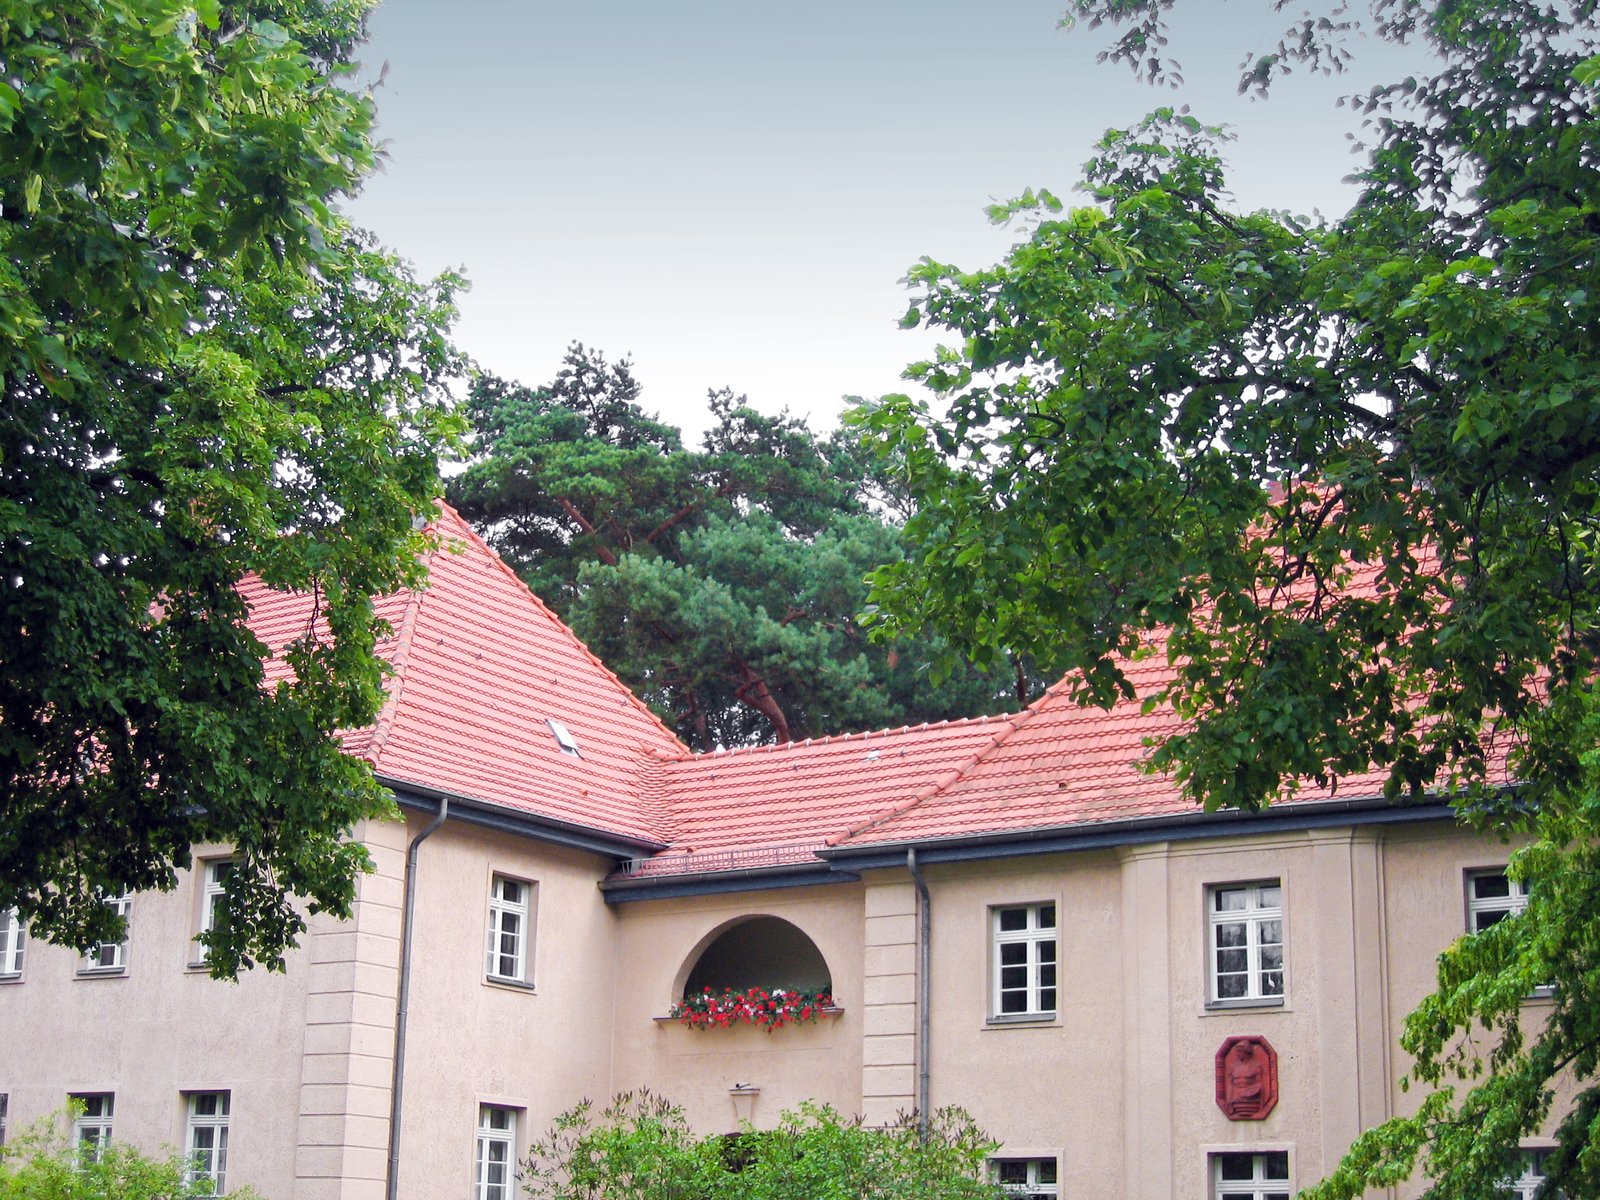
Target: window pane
{"points": [[1013, 919], [1270, 896], [1232, 961], [1231, 934], [1230, 987], [1491, 887], [1013, 1172], [1013, 1002], [1047, 916], [1236, 1166], [1231, 899], [1277, 1166], [1013, 953], [1271, 932], [1272, 983]]}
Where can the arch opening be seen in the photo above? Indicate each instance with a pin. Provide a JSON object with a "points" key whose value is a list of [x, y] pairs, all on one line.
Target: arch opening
{"points": [[766, 952]]}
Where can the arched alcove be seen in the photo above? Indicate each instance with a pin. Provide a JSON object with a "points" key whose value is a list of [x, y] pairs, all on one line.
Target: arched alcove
{"points": [[766, 952]]}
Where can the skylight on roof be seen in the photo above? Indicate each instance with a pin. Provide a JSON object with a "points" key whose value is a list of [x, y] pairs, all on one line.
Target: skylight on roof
{"points": [[564, 738]]}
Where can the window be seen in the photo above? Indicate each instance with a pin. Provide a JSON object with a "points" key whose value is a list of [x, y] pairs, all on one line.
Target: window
{"points": [[1025, 1178], [1246, 942], [213, 894], [1250, 1176], [1528, 1181], [564, 738], [508, 929], [92, 1129], [497, 1135], [1025, 961], [1492, 897], [12, 939], [4, 1099], [206, 1139], [111, 958]]}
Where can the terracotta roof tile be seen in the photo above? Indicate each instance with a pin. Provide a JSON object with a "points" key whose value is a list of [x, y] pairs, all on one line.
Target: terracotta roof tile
{"points": [[480, 666]]}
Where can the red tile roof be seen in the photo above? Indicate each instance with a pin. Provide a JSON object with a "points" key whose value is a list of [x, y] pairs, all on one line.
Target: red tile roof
{"points": [[480, 666], [797, 796]]}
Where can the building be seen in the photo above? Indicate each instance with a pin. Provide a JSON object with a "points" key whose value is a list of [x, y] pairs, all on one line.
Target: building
{"points": [[1137, 999]]}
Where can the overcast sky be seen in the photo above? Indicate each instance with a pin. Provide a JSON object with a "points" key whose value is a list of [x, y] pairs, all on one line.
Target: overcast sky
{"points": [[731, 191]]}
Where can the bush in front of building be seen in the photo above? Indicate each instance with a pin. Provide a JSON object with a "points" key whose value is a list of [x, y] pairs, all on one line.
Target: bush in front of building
{"points": [[640, 1147]]}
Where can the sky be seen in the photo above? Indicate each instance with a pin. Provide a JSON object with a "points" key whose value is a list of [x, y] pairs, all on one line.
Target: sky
{"points": [[730, 192]]}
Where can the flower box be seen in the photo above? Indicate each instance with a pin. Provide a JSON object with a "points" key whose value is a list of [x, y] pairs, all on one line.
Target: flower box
{"points": [[712, 1009]]}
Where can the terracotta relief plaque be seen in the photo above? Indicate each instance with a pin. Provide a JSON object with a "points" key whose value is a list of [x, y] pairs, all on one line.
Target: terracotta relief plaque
{"points": [[1247, 1078]]}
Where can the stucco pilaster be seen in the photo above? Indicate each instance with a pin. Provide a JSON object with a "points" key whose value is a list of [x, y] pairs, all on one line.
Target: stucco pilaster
{"points": [[341, 1147], [1347, 943], [1147, 1088], [889, 1011]]}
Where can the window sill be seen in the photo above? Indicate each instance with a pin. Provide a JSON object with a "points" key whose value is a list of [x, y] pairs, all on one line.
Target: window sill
{"points": [[515, 985], [5, 979], [1256, 1004], [102, 973], [1009, 1020]]}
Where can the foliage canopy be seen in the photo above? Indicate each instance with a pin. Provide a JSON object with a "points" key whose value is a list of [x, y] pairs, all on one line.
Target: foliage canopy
{"points": [[641, 1148], [1168, 426], [207, 374], [722, 584]]}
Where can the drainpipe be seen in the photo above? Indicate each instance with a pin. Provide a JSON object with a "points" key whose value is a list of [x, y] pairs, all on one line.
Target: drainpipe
{"points": [[924, 965], [398, 1079]]}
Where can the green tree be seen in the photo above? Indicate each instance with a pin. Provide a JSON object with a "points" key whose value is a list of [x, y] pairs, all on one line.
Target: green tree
{"points": [[42, 1164], [722, 583], [207, 375], [1344, 474], [641, 1148]]}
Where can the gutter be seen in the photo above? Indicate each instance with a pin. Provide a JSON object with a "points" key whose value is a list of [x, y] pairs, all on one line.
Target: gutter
{"points": [[397, 1080], [924, 988], [507, 819], [1134, 831]]}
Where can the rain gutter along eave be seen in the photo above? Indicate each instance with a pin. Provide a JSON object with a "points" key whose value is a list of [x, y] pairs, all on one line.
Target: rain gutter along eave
{"points": [[621, 889], [1184, 827], [506, 819]]}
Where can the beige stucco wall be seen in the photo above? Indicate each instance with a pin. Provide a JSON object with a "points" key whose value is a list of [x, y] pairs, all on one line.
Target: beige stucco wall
{"points": [[1119, 1085], [159, 1030], [658, 941], [539, 1049]]}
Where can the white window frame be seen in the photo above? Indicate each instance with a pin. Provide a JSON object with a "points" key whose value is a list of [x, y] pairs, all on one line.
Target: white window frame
{"points": [[1040, 961], [1497, 907], [111, 958], [213, 874], [13, 943], [510, 923], [1041, 1176], [1530, 1178], [496, 1147], [92, 1127], [207, 1161], [1256, 916], [1262, 1184]]}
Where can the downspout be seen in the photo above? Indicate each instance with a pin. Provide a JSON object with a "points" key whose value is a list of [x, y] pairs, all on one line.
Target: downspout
{"points": [[403, 1006], [924, 965]]}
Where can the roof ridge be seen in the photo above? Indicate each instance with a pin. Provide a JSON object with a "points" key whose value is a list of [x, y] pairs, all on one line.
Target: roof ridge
{"points": [[387, 715], [1012, 723], [652, 783], [472, 536], [836, 738]]}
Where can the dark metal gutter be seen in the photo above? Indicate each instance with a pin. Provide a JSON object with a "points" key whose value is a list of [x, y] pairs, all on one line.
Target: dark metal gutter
{"points": [[1187, 827], [622, 889], [525, 824]]}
